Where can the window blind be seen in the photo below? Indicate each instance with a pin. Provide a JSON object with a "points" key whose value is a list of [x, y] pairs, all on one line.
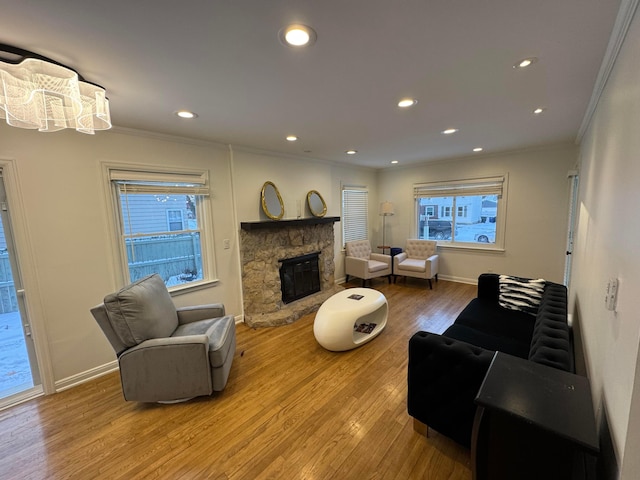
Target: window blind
{"points": [[133, 181], [355, 214], [457, 188]]}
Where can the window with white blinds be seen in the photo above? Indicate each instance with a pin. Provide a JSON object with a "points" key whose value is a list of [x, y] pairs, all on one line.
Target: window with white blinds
{"points": [[163, 225], [355, 213], [463, 213]]}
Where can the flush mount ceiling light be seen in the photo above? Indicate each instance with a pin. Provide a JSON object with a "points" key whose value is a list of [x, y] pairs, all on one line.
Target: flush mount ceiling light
{"points": [[407, 102], [449, 131], [394, 161], [539, 110], [525, 62], [478, 149], [351, 152], [297, 35], [291, 138], [186, 114], [39, 93]]}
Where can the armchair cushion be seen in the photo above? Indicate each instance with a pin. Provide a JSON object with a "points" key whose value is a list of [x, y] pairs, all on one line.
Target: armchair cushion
{"points": [[413, 265], [142, 310]]}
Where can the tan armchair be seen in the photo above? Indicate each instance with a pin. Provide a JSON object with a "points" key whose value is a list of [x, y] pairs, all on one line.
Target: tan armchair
{"points": [[419, 260], [362, 263], [166, 354]]}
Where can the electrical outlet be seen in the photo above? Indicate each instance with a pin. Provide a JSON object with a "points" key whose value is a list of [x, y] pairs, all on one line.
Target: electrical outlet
{"points": [[226, 243]]}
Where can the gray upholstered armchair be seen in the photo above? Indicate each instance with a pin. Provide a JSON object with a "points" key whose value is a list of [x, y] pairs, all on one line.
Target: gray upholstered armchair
{"points": [[166, 354], [419, 260], [361, 263]]}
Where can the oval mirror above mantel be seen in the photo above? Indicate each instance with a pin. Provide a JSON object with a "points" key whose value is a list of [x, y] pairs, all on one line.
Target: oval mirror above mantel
{"points": [[316, 203], [272, 204]]}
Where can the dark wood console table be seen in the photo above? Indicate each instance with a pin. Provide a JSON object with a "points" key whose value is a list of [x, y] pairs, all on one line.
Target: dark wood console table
{"points": [[533, 422]]}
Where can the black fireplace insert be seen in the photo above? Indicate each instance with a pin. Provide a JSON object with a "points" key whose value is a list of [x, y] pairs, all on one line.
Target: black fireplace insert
{"points": [[299, 276]]}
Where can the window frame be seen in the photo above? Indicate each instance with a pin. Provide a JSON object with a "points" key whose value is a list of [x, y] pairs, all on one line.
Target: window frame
{"points": [[112, 173], [494, 185], [345, 221]]}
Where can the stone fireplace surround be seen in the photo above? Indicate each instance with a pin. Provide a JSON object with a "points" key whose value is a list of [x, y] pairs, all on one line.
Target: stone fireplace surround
{"points": [[262, 244]]}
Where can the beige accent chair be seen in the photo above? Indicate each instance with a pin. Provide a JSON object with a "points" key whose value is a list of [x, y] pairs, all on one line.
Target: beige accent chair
{"points": [[362, 263], [166, 354], [419, 260]]}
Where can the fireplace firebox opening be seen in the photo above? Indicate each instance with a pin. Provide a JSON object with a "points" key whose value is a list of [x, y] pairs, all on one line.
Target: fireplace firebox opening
{"points": [[299, 276]]}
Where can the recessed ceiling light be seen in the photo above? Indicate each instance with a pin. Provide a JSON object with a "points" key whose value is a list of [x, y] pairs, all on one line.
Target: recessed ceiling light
{"points": [[539, 110], [407, 102], [477, 149], [351, 152], [291, 138], [525, 62], [186, 114], [449, 131], [394, 161], [297, 35]]}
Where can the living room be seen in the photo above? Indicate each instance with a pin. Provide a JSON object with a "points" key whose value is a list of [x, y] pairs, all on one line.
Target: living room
{"points": [[64, 224]]}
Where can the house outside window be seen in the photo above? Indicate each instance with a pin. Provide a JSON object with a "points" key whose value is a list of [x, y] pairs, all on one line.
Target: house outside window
{"points": [[355, 213], [163, 226], [174, 220], [480, 210]]}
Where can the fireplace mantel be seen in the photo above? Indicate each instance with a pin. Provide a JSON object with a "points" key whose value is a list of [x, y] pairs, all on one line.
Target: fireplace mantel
{"points": [[299, 222]]}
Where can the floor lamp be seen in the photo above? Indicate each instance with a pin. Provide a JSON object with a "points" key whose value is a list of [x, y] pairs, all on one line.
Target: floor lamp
{"points": [[386, 209]]}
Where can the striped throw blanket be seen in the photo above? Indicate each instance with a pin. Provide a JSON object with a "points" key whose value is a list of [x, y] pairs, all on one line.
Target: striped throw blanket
{"points": [[520, 293]]}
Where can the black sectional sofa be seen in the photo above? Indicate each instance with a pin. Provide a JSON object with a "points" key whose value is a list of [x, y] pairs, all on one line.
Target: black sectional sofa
{"points": [[446, 371]]}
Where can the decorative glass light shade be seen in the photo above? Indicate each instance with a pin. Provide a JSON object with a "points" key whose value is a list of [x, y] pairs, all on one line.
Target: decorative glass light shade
{"points": [[40, 94]]}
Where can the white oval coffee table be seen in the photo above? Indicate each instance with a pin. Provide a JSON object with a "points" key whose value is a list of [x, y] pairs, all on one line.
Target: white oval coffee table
{"points": [[350, 318]]}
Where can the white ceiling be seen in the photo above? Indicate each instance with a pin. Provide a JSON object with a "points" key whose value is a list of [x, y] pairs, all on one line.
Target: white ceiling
{"points": [[223, 60]]}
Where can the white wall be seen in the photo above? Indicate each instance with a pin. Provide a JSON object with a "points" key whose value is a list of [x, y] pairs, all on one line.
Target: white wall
{"points": [[68, 253], [607, 245], [537, 203]]}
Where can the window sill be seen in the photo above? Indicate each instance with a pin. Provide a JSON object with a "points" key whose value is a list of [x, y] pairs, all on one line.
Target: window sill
{"points": [[182, 289], [470, 247]]}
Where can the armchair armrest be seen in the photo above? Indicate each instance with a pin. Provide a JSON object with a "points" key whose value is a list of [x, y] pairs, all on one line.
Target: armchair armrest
{"points": [[200, 312], [433, 259], [401, 257], [358, 267], [380, 257], [148, 373], [444, 376]]}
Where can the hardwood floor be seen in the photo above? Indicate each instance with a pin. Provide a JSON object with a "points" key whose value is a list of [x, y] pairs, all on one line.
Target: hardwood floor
{"points": [[291, 410]]}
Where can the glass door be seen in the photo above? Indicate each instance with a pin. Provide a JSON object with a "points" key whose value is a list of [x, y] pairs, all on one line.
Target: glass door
{"points": [[573, 205], [18, 366]]}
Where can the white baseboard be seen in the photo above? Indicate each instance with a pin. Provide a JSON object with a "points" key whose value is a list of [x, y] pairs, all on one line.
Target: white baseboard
{"points": [[470, 281], [82, 377]]}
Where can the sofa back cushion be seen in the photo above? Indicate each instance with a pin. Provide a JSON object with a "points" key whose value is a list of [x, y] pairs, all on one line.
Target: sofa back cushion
{"points": [[358, 249], [142, 310], [421, 249], [551, 341]]}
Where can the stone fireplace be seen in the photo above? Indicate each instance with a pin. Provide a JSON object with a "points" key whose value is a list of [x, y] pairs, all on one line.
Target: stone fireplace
{"points": [[263, 247]]}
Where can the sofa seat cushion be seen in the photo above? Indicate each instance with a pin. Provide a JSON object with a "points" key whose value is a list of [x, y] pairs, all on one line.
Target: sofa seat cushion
{"points": [[488, 342], [376, 266], [220, 332], [413, 265], [494, 320]]}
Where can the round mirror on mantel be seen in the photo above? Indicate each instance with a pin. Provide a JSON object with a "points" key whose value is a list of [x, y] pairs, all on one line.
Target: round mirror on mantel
{"points": [[317, 206], [272, 204]]}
